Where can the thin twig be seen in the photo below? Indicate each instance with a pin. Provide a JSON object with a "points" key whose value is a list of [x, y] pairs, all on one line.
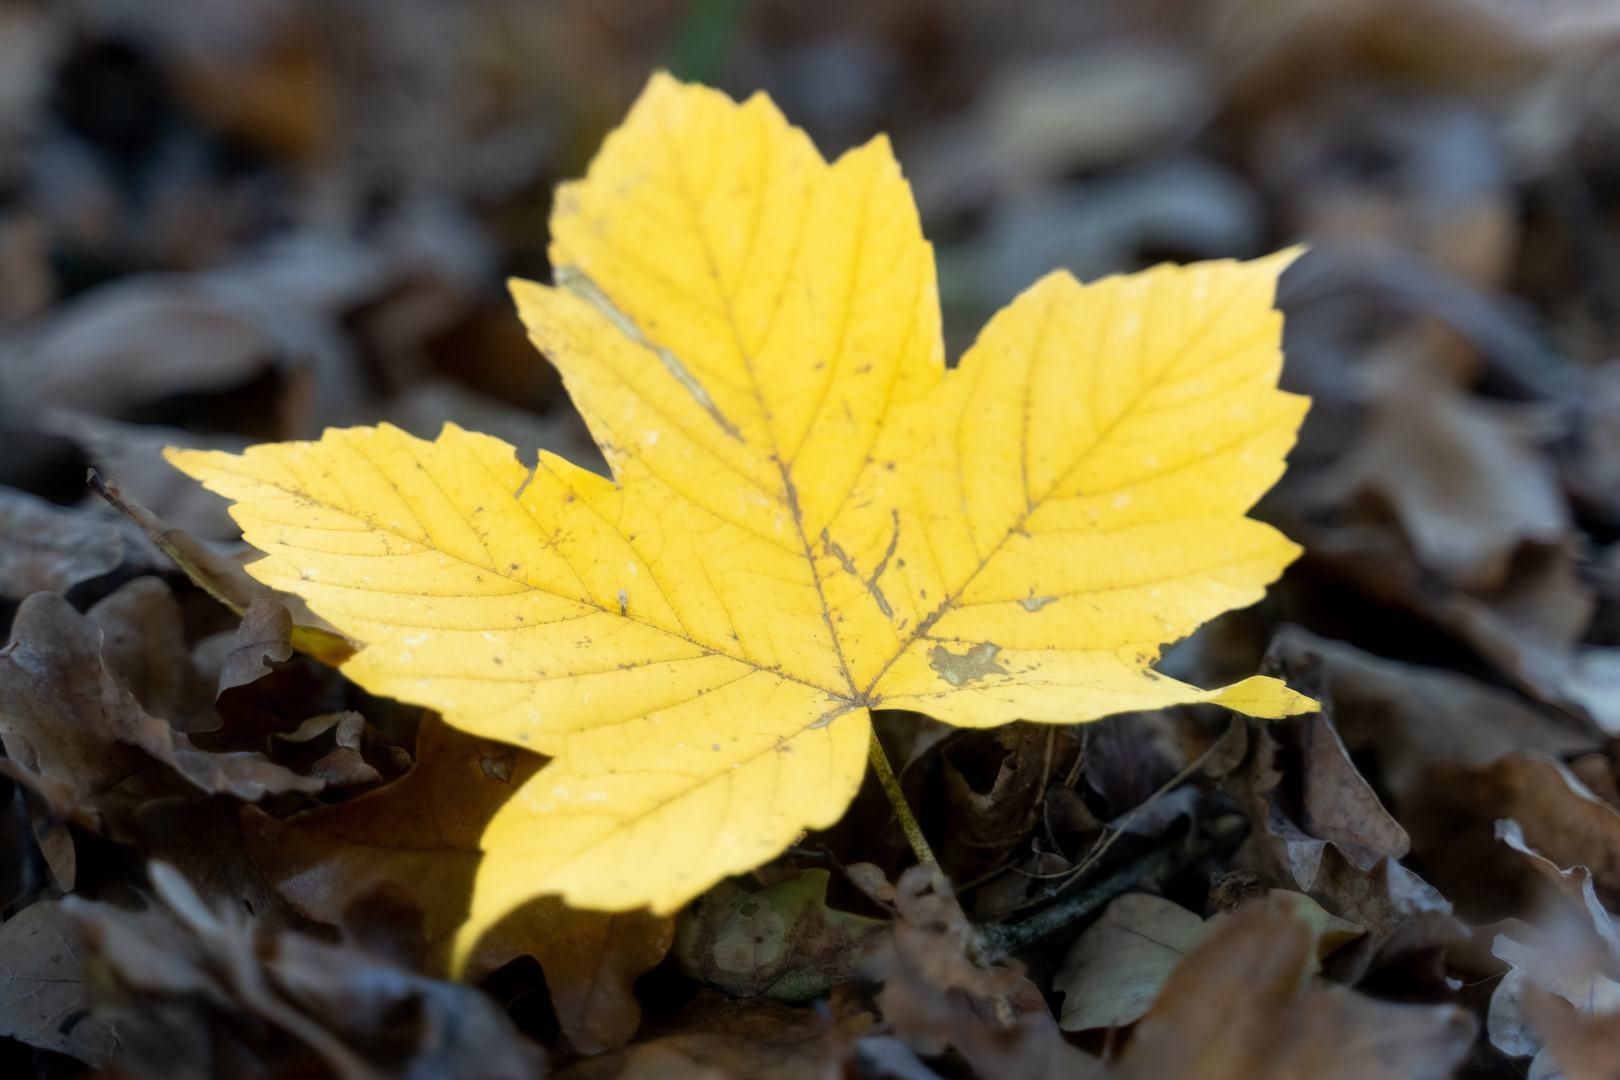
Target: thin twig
{"points": [[1152, 871], [1100, 848]]}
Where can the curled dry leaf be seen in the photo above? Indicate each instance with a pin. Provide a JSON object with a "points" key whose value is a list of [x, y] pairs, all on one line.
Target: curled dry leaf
{"points": [[422, 832], [1117, 967], [989, 824], [1572, 956], [941, 989], [1239, 1007], [1364, 885], [44, 547], [264, 637], [719, 1038], [1456, 809], [65, 717], [811, 516], [42, 986], [195, 985]]}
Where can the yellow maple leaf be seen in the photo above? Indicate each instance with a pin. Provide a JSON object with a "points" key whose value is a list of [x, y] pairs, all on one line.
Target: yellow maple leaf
{"points": [[811, 516]]}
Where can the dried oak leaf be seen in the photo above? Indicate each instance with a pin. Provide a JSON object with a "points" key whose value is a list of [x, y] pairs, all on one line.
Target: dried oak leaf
{"points": [[1571, 956], [810, 518], [47, 547], [1346, 858], [1116, 968], [190, 987], [720, 1038], [42, 986], [143, 642], [1236, 1008], [66, 717], [422, 832], [942, 990]]}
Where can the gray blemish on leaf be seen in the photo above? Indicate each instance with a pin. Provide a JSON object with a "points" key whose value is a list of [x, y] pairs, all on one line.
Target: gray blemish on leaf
{"points": [[976, 663], [577, 282], [1035, 603], [624, 602]]}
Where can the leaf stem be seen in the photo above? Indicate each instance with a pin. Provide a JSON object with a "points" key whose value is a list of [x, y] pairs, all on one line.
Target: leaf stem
{"points": [[902, 809]]}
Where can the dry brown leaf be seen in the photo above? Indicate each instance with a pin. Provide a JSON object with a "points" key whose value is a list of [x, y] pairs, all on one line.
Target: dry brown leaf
{"points": [[718, 1038], [196, 986], [143, 642], [1573, 954], [1234, 1009], [1401, 913], [1466, 477], [262, 638], [53, 720], [65, 717], [47, 547], [1453, 813], [421, 831], [941, 989], [1119, 964], [42, 986], [591, 960], [989, 821]]}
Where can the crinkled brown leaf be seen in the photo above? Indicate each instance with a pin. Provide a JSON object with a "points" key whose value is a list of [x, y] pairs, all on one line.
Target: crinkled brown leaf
{"points": [[1401, 913], [42, 986], [719, 1038], [591, 960], [1116, 968], [1235, 1009], [195, 984], [422, 831], [65, 716], [44, 547], [941, 989]]}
